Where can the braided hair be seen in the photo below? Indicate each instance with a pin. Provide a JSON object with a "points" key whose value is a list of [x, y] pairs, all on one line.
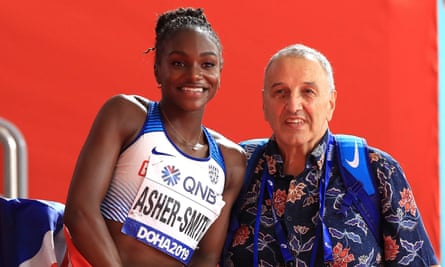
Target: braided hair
{"points": [[179, 19]]}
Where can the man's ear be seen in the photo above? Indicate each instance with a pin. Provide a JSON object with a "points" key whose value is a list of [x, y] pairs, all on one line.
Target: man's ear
{"points": [[332, 104], [263, 105]]}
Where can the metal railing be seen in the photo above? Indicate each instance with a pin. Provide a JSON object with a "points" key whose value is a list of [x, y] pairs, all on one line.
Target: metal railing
{"points": [[15, 169]]}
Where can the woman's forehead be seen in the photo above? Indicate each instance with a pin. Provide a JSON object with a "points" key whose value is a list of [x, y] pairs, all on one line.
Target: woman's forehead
{"points": [[191, 38]]}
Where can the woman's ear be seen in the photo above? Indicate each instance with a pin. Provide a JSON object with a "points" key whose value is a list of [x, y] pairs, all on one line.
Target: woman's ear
{"points": [[156, 72]]}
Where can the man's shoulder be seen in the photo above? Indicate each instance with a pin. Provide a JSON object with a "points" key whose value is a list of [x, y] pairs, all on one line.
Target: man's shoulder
{"points": [[254, 142], [373, 150], [252, 146], [377, 157]]}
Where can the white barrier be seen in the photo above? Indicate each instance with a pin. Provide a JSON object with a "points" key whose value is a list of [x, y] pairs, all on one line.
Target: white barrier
{"points": [[15, 169]]}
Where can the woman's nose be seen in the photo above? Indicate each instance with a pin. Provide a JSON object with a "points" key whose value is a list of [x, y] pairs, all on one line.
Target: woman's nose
{"points": [[196, 71]]}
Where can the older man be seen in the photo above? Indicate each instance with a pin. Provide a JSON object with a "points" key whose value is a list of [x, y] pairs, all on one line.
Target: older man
{"points": [[296, 209]]}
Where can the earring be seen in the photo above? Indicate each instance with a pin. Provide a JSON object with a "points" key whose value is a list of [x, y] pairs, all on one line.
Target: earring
{"points": [[148, 50]]}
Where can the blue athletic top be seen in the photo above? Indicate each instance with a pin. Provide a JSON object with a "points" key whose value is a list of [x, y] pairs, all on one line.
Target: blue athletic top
{"points": [[132, 164]]}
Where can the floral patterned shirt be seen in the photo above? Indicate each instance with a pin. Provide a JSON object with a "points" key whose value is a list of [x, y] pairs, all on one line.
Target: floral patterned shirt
{"points": [[296, 204]]}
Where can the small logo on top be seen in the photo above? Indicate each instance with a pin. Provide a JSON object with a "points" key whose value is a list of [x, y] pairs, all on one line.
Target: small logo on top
{"points": [[156, 152], [213, 174], [170, 175]]}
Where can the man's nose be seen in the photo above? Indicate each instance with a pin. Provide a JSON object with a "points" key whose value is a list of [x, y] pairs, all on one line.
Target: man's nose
{"points": [[294, 102]]}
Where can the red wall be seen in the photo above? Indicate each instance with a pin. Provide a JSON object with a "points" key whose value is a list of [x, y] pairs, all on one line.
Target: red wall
{"points": [[59, 61]]}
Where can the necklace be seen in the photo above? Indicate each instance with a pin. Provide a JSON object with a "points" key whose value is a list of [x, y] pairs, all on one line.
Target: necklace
{"points": [[195, 147]]}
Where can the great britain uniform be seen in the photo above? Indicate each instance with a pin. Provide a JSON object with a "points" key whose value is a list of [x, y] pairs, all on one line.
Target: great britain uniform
{"points": [[164, 197]]}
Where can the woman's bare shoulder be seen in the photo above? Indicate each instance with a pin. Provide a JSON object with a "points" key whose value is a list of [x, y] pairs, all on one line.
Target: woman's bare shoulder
{"points": [[127, 100], [225, 143], [126, 113]]}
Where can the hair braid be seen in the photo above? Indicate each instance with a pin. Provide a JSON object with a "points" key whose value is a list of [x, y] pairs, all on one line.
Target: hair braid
{"points": [[180, 19]]}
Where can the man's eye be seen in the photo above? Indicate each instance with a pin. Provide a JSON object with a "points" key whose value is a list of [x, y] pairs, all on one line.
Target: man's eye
{"points": [[280, 93], [309, 91]]}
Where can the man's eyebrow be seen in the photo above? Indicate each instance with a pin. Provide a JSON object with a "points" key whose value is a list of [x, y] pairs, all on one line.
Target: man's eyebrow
{"points": [[305, 83], [310, 83], [276, 84]]}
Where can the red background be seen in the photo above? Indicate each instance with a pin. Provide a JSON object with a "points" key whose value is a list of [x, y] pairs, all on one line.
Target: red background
{"points": [[60, 60]]}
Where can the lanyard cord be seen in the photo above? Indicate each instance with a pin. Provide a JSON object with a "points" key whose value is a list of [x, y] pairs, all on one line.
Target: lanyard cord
{"points": [[285, 252], [321, 229], [257, 222]]}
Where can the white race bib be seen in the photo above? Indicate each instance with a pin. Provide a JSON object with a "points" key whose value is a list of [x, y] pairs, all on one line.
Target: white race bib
{"points": [[174, 207]]}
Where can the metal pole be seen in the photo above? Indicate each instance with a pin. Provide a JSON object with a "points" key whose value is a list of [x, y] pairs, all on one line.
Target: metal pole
{"points": [[16, 161]]}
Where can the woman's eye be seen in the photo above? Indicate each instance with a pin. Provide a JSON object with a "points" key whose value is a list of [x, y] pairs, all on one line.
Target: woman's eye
{"points": [[178, 64], [208, 65]]}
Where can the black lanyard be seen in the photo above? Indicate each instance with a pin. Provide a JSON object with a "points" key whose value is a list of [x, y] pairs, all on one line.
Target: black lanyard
{"points": [[322, 230]]}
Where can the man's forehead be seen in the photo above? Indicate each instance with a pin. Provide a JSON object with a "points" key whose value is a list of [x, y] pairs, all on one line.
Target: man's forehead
{"points": [[292, 57], [292, 65], [295, 69]]}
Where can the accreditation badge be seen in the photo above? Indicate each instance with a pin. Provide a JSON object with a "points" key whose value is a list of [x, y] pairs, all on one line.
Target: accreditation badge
{"points": [[175, 206]]}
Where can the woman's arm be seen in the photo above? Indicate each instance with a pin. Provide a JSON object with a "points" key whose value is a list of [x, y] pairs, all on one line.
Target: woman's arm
{"points": [[210, 247], [116, 124]]}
